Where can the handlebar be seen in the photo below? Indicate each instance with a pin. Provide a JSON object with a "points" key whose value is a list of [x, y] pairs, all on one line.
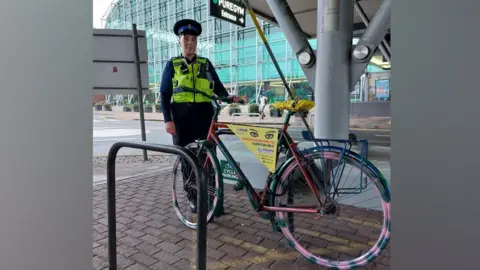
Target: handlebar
{"points": [[213, 97]]}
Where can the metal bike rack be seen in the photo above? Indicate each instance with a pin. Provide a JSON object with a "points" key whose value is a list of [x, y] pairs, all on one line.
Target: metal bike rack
{"points": [[201, 197]]}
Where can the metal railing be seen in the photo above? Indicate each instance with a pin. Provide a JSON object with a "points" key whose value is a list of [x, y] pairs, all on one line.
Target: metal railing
{"points": [[193, 161]]}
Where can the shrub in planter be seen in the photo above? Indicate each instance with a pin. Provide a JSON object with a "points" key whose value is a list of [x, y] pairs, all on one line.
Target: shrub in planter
{"points": [[253, 108], [274, 112], [98, 106], [298, 114], [127, 108], [158, 108], [136, 107], [234, 109], [148, 108], [107, 107]]}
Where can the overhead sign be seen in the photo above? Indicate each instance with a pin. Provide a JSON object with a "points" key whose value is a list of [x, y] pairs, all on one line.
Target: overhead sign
{"points": [[233, 11], [114, 67]]}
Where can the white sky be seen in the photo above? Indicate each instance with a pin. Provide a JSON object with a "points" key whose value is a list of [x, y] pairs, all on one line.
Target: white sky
{"points": [[99, 8]]}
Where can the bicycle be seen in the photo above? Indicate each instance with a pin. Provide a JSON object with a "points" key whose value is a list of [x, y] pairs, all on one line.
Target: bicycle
{"points": [[300, 165]]}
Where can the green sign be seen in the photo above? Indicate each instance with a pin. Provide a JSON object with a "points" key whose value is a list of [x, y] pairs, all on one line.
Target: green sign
{"points": [[232, 11], [229, 173]]}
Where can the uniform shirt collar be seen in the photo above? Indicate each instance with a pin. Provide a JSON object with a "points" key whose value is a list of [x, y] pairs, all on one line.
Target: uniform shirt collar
{"points": [[194, 59]]}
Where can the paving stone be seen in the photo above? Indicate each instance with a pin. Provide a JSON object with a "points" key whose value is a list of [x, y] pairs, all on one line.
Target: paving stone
{"points": [[167, 257], [170, 238], [130, 241], [186, 254], [233, 250], [183, 264], [249, 238], [127, 251], [169, 247], [230, 240], [144, 259], [162, 266], [99, 263], [147, 248], [137, 267], [124, 262], [215, 254]]}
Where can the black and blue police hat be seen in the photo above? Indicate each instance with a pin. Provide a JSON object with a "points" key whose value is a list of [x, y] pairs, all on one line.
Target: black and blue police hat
{"points": [[187, 26]]}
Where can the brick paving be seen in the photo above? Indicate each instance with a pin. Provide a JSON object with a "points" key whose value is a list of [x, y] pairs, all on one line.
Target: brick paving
{"points": [[150, 235]]}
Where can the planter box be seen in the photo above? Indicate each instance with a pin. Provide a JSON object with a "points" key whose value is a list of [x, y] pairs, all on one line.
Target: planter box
{"points": [[275, 113], [127, 109], [148, 109], [107, 108], [300, 114], [234, 110], [158, 109]]}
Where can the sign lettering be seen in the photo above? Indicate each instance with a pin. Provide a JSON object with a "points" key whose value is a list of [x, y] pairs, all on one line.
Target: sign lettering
{"points": [[261, 141], [233, 11], [228, 172]]}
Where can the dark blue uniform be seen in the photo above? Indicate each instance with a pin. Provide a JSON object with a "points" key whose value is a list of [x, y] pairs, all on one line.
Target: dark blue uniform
{"points": [[192, 120]]}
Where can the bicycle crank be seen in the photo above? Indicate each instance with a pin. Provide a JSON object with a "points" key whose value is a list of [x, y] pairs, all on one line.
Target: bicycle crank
{"points": [[330, 207]]}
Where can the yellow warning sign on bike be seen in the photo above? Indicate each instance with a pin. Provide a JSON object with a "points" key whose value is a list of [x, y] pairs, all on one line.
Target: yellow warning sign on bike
{"points": [[260, 141]]}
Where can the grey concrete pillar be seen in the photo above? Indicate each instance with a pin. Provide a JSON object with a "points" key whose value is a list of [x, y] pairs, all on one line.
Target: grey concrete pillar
{"points": [[332, 83], [46, 135]]}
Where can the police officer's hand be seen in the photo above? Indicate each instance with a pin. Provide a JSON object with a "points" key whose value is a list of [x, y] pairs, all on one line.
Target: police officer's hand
{"points": [[170, 127], [236, 99]]}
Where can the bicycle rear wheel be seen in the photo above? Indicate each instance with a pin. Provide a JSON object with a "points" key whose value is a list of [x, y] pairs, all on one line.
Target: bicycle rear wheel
{"points": [[184, 189], [336, 247]]}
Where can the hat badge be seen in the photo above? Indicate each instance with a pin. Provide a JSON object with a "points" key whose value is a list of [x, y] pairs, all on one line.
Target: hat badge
{"points": [[189, 26]]}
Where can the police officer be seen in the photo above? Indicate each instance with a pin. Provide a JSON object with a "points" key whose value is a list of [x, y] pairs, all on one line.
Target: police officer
{"points": [[187, 116]]}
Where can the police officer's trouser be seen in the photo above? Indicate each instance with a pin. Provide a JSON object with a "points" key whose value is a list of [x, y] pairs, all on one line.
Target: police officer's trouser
{"points": [[192, 122]]}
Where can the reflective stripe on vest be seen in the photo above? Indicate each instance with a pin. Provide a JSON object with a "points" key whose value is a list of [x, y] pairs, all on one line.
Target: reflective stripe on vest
{"points": [[195, 76]]}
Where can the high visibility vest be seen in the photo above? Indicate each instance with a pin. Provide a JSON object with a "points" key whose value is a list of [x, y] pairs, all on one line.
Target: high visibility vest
{"points": [[195, 75]]}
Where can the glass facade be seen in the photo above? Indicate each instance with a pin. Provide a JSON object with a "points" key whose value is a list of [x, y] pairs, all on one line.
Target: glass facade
{"points": [[241, 60]]}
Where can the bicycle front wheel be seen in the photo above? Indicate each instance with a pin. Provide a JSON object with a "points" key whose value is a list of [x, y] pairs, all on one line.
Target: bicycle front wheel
{"points": [[345, 233], [184, 189]]}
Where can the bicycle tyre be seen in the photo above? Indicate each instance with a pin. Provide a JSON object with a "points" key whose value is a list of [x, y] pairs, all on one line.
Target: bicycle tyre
{"points": [[217, 190], [379, 182]]}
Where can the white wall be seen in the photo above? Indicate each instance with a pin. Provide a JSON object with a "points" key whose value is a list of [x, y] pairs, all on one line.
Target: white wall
{"points": [[46, 135]]}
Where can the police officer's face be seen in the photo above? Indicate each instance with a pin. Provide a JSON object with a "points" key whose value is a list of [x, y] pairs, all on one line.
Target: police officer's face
{"points": [[189, 44]]}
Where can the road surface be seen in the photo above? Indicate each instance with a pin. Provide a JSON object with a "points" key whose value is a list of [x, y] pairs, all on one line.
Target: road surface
{"points": [[377, 137], [108, 131]]}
